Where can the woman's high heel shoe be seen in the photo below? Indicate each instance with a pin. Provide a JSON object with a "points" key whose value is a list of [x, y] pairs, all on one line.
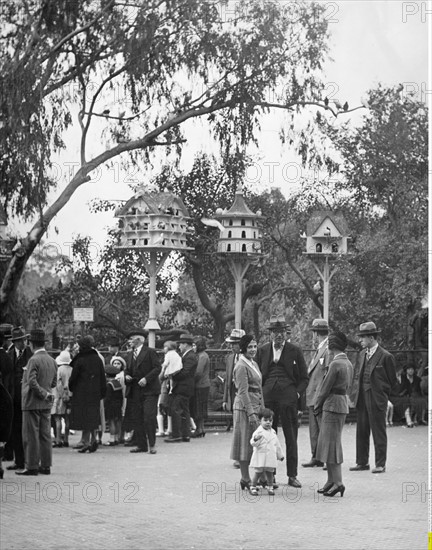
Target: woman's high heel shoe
{"points": [[244, 484], [326, 487], [198, 434], [93, 447], [85, 449], [339, 489]]}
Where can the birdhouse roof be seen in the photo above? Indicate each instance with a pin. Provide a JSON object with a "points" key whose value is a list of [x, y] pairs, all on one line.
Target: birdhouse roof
{"points": [[156, 202], [318, 217], [239, 207], [3, 217]]}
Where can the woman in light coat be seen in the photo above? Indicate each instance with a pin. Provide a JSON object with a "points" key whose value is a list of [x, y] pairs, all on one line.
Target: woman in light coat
{"points": [[247, 404], [332, 400]]}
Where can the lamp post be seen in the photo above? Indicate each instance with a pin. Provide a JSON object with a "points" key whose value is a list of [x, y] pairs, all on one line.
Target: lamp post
{"points": [[326, 239], [154, 224], [240, 243]]}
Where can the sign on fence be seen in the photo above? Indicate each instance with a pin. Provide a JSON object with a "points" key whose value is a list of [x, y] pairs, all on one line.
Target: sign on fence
{"points": [[83, 314]]}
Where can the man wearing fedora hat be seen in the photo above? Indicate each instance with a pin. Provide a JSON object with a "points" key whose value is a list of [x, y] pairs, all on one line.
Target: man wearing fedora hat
{"points": [[40, 377], [183, 390], [284, 379], [316, 371], [19, 354], [142, 391], [374, 378]]}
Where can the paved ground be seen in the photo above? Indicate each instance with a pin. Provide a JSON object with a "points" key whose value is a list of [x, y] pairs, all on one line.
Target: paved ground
{"points": [[188, 496]]}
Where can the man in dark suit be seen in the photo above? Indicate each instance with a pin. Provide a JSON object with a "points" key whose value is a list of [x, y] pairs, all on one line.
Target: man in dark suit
{"points": [[142, 391], [374, 378], [183, 390], [284, 378], [316, 371], [39, 379], [19, 354]]}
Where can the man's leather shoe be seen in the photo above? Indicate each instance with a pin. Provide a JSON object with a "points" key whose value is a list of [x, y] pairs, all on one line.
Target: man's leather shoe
{"points": [[294, 482], [26, 472], [14, 467], [138, 450], [312, 463], [46, 471], [359, 467], [173, 440], [378, 470], [186, 439]]}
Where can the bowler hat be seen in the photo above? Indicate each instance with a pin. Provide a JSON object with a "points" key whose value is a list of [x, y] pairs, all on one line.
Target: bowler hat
{"points": [[137, 332], [18, 333], [235, 335], [368, 329], [186, 339], [37, 335], [320, 325], [277, 322]]}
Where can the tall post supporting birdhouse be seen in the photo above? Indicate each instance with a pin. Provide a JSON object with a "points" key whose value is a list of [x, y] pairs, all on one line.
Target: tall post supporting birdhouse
{"points": [[240, 243], [153, 224], [326, 240]]}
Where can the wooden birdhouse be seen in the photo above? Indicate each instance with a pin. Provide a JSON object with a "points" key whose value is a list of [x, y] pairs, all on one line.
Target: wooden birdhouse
{"points": [[241, 232], [153, 220], [326, 234], [6, 244]]}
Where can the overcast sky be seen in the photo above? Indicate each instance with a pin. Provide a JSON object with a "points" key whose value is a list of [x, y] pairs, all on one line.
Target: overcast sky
{"points": [[371, 42]]}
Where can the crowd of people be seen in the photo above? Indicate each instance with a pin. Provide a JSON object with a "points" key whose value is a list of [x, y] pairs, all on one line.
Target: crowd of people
{"points": [[139, 396]]}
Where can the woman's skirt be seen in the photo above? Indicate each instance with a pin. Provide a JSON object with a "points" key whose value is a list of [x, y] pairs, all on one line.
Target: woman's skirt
{"points": [[241, 449], [201, 403], [85, 416], [400, 404], [329, 446], [418, 405]]}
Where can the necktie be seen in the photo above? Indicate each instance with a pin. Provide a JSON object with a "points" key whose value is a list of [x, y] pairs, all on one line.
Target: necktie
{"points": [[135, 354]]}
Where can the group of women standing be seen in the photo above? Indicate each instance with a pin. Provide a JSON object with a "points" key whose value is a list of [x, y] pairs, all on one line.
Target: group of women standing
{"points": [[331, 404]]}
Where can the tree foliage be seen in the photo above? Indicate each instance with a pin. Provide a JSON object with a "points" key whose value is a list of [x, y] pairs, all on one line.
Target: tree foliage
{"points": [[139, 71]]}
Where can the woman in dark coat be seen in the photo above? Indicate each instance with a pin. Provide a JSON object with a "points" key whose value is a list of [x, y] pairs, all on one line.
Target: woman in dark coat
{"points": [[88, 386], [332, 400], [202, 387], [410, 387], [6, 414]]}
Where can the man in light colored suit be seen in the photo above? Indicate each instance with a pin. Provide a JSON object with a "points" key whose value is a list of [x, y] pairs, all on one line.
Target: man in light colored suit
{"points": [[40, 377], [374, 378], [316, 371]]}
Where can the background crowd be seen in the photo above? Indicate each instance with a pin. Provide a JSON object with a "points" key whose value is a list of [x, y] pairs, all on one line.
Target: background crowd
{"points": [[137, 395]]}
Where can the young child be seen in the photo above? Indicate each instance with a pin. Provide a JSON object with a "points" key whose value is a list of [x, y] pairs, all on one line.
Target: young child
{"points": [[61, 407], [172, 363], [114, 398], [170, 366], [266, 451]]}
